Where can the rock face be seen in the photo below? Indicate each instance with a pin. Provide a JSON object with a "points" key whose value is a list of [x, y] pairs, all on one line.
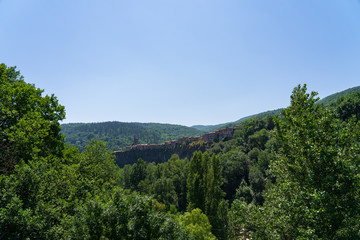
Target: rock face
{"points": [[184, 147]]}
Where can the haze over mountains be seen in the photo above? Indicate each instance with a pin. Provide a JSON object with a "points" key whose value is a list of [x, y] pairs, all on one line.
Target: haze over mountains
{"points": [[119, 135]]}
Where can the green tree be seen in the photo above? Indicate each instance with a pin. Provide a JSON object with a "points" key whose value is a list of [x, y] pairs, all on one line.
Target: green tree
{"points": [[257, 183], [235, 169], [29, 122], [197, 224], [316, 195], [244, 192], [204, 190], [137, 174], [97, 164], [195, 182], [164, 191], [176, 170], [258, 139], [215, 206], [123, 217], [348, 106]]}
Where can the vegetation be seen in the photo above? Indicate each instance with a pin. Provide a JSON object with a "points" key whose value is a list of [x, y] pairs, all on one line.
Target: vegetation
{"points": [[211, 128], [327, 101], [287, 177], [28, 122], [119, 135], [315, 195], [50, 191], [293, 176]]}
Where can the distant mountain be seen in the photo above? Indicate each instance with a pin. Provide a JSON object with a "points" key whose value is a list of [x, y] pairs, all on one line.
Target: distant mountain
{"points": [[259, 115], [333, 97], [211, 128], [119, 135]]}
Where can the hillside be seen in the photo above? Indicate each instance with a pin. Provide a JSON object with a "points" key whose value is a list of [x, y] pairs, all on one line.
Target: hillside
{"points": [[325, 101], [333, 97], [118, 135], [210, 128]]}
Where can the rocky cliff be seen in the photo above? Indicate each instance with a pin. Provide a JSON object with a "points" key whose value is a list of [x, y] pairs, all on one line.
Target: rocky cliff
{"points": [[184, 147]]}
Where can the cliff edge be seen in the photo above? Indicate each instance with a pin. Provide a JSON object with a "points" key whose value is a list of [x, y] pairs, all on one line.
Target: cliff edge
{"points": [[184, 147]]}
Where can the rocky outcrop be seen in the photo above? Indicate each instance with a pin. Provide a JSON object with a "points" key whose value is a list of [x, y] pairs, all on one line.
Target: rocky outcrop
{"points": [[184, 147]]}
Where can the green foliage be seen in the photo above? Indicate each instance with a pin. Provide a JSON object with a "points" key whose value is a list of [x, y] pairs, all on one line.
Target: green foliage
{"points": [[137, 174], [56, 193], [348, 106], [124, 217], [331, 99], [249, 150], [268, 115], [29, 122], [257, 183], [196, 185], [197, 224], [244, 192], [211, 128], [176, 170], [119, 135], [317, 181], [204, 190], [164, 191], [243, 219], [51, 191], [327, 101], [98, 165], [259, 139], [235, 165], [52, 199]]}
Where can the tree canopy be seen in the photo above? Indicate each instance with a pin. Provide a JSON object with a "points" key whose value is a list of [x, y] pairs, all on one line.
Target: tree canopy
{"points": [[29, 122]]}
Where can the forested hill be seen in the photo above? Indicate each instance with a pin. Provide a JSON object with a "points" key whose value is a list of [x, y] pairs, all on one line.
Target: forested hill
{"points": [[211, 128], [118, 135], [334, 97], [325, 101]]}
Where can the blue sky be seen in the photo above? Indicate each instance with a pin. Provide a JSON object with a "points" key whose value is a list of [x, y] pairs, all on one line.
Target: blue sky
{"points": [[183, 62]]}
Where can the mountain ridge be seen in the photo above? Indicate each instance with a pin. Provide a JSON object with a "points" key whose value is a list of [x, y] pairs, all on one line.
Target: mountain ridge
{"points": [[326, 101], [120, 135]]}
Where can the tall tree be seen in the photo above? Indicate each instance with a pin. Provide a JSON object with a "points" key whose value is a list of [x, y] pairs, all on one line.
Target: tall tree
{"points": [[316, 195], [29, 122], [137, 174], [204, 190], [214, 193], [195, 182]]}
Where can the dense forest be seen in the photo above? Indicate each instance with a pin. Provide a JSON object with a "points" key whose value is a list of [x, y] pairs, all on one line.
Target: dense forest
{"points": [[289, 176], [119, 135]]}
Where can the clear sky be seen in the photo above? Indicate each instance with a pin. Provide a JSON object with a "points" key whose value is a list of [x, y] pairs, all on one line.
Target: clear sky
{"points": [[185, 62]]}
